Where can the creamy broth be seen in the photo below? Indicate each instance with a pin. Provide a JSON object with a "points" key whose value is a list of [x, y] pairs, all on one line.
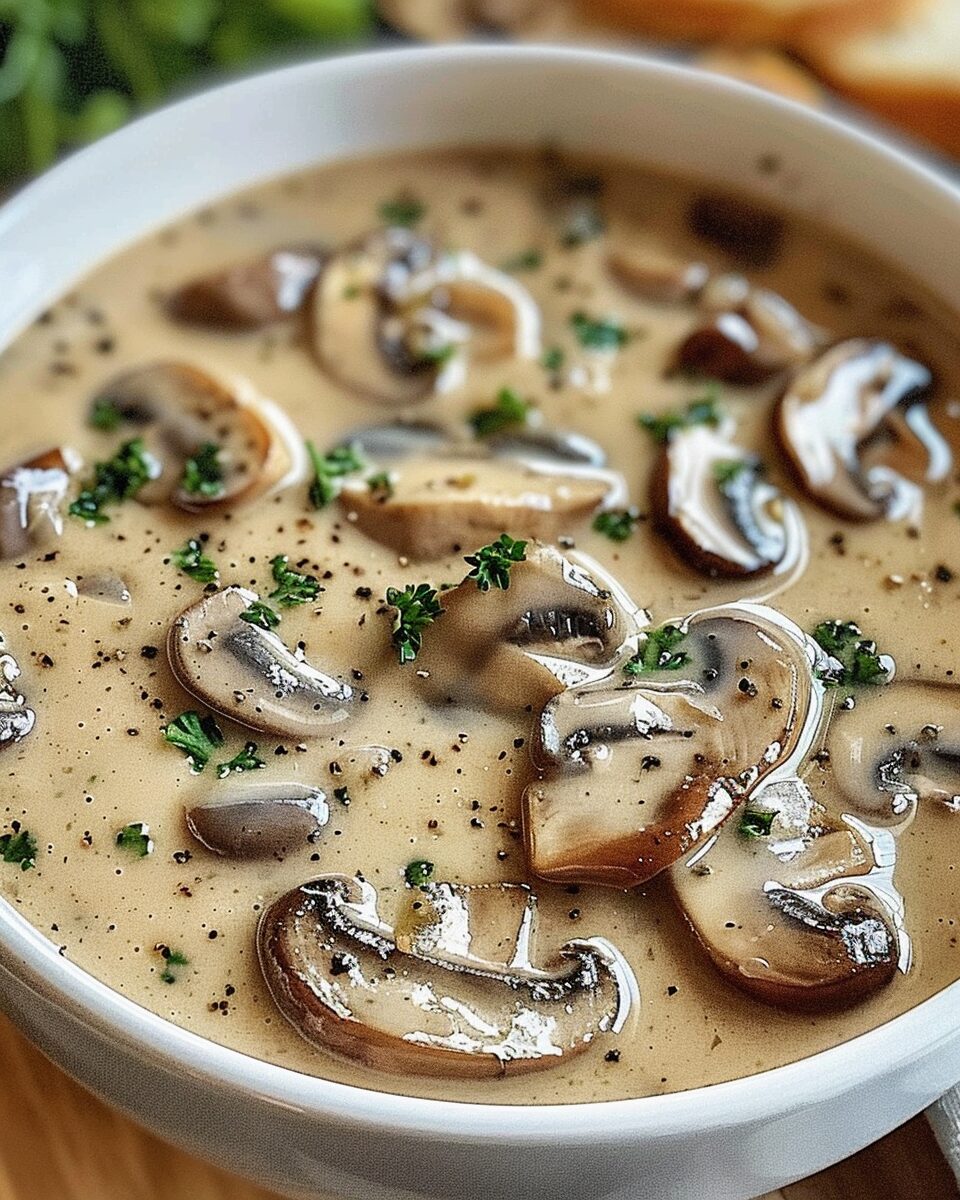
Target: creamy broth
{"points": [[97, 673]]}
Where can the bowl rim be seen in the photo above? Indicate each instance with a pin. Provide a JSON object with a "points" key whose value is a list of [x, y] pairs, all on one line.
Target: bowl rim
{"points": [[34, 960]]}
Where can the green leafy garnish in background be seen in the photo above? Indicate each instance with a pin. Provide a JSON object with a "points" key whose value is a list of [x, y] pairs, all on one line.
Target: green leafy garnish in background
{"points": [[617, 523], [114, 481], [599, 333], [328, 472], [507, 411], [135, 839], [203, 472], [661, 426]]}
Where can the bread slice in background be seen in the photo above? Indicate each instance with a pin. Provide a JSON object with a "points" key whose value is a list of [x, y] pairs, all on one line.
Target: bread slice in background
{"points": [[782, 22], [908, 73]]}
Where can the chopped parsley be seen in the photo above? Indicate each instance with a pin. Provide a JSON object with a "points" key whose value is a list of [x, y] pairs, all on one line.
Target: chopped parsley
{"points": [[508, 410], [329, 470], [660, 426], [203, 472], [260, 614], [617, 524], [659, 652], [115, 481], [381, 485], [292, 586], [136, 839], [191, 560], [416, 607], [604, 333], [526, 260], [404, 209], [756, 823], [726, 470], [553, 359], [246, 760], [198, 737], [491, 565], [105, 415], [171, 959], [19, 847], [419, 872], [854, 659]]}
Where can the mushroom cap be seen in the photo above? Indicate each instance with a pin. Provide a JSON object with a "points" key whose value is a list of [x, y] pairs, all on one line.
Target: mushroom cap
{"points": [[31, 499], [260, 820], [652, 275], [248, 674], [849, 396], [636, 774], [442, 1005], [560, 622]]}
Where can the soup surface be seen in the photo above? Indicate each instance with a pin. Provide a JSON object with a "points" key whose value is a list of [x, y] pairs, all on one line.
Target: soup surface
{"points": [[566, 298]]}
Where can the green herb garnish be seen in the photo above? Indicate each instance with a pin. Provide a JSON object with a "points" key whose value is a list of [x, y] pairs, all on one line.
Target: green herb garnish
{"points": [[508, 410], [659, 652], [755, 823], [381, 485], [403, 209], [854, 659], [191, 559], [105, 415], [292, 586], [553, 359], [19, 847], [246, 760], [526, 260], [491, 565], [661, 426], [136, 839], [172, 958], [726, 470], [416, 607], [419, 872], [616, 524], [328, 470], [603, 333], [203, 472], [115, 481], [260, 614], [198, 737]]}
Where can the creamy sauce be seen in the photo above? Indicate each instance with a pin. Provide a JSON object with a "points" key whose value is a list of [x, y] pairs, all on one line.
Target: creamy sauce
{"points": [[98, 677]]}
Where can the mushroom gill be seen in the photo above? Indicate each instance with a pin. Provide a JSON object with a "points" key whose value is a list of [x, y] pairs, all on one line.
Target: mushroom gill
{"points": [[444, 992], [636, 772]]}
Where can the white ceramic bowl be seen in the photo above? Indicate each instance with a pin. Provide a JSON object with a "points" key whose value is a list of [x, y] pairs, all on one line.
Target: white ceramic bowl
{"points": [[305, 1135]]}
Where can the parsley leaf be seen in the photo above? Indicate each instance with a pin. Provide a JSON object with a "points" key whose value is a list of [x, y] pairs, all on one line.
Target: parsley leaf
{"points": [[419, 872], [260, 614], [526, 260], [603, 333], [105, 415], [491, 564], [114, 481], [404, 209], [854, 659], [19, 847], [246, 760], [509, 409], [617, 524], [381, 485], [417, 607], [136, 839], [328, 470], [292, 587], [171, 958], [659, 652], [661, 426], [191, 560], [756, 823], [203, 472], [553, 359], [196, 736], [726, 470]]}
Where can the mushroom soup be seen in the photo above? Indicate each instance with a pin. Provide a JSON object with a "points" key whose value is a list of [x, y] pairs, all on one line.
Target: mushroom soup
{"points": [[478, 625]]}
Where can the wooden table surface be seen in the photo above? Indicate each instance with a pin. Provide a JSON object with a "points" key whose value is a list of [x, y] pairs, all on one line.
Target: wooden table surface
{"points": [[58, 1143]]}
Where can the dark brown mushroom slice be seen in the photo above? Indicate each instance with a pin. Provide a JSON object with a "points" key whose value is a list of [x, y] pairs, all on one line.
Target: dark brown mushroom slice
{"points": [[249, 295], [808, 924], [182, 408], [16, 718], [846, 426], [635, 774], [560, 622], [715, 507], [32, 496], [336, 970], [752, 235], [248, 674], [107, 587], [657, 277], [260, 820]]}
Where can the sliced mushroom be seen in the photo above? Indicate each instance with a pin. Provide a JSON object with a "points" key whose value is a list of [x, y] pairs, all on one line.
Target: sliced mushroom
{"points": [[106, 587], [248, 674], [249, 295], [636, 774], [420, 999], [558, 624], [441, 505], [552, 446], [185, 408], [754, 236], [655, 276], [260, 820], [16, 719], [714, 506], [811, 922], [31, 500], [848, 426]]}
